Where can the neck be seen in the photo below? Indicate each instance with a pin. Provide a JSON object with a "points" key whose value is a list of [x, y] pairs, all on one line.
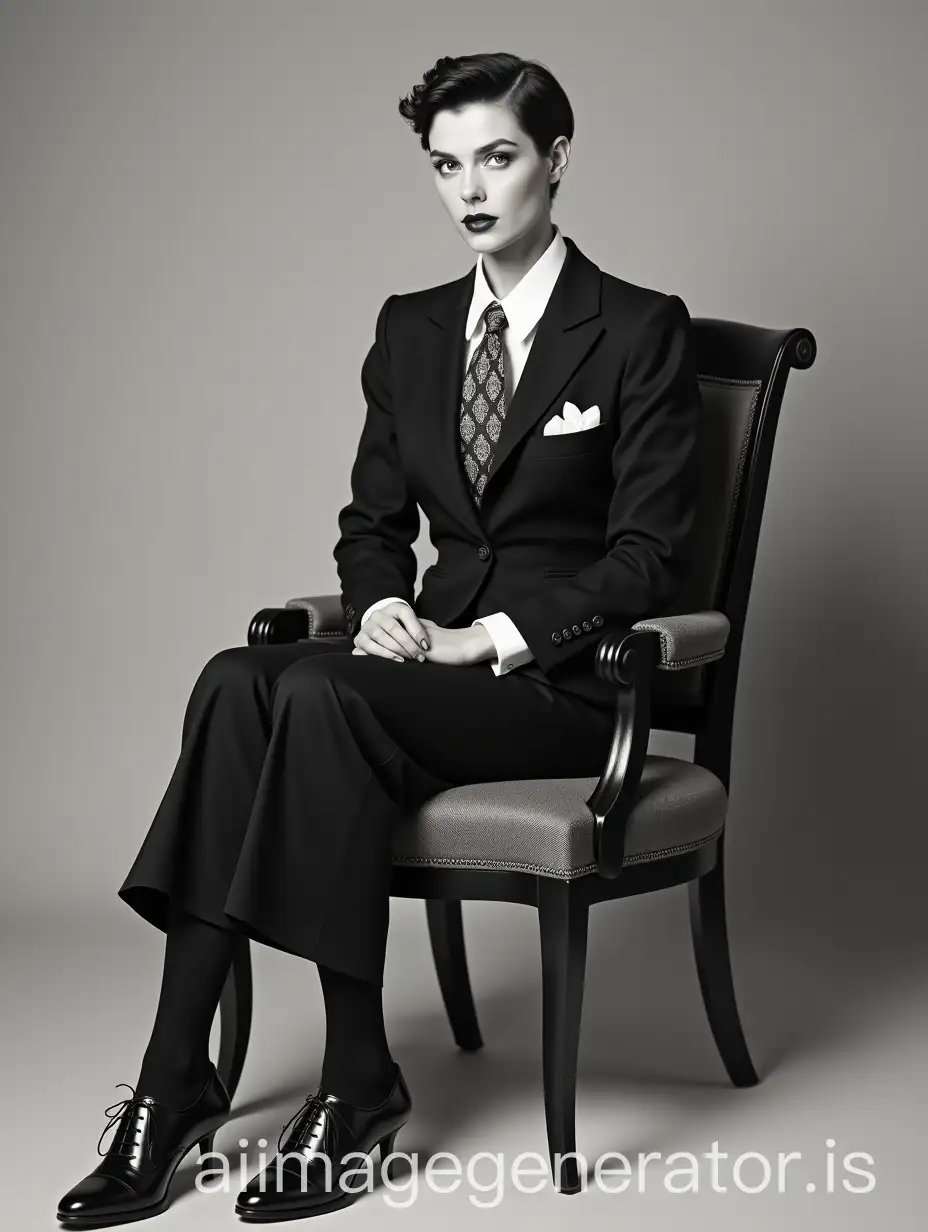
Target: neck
{"points": [[504, 270]]}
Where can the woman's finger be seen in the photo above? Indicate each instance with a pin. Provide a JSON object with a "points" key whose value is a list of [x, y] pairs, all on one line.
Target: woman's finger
{"points": [[395, 627], [374, 647], [414, 626]]}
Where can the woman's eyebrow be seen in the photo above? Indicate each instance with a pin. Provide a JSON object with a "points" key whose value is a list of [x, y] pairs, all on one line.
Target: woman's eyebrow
{"points": [[483, 149]]}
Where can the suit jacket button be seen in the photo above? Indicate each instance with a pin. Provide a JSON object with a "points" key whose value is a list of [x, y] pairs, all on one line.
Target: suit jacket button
{"points": [[556, 638], [587, 627], [483, 551], [597, 621], [566, 634], [577, 630]]}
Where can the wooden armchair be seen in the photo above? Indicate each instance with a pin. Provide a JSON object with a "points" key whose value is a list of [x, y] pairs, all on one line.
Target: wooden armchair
{"points": [[648, 821]]}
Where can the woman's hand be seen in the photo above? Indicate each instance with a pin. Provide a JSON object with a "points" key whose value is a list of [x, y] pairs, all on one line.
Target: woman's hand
{"points": [[396, 635], [458, 647], [394, 631]]}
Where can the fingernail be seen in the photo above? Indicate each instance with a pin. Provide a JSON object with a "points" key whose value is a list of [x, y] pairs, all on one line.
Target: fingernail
{"points": [[399, 658], [424, 644], [421, 658]]}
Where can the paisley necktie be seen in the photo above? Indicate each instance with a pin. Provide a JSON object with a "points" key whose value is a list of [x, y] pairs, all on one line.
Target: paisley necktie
{"points": [[483, 402]]}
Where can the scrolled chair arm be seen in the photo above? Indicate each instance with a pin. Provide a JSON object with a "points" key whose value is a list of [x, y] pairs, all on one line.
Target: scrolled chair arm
{"points": [[314, 616], [668, 643]]}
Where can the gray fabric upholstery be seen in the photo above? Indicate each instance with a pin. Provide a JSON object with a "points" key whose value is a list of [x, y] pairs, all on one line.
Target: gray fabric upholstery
{"points": [[543, 825], [697, 637]]}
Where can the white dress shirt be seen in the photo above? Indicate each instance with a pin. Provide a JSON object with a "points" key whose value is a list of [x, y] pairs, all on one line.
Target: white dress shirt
{"points": [[524, 306]]}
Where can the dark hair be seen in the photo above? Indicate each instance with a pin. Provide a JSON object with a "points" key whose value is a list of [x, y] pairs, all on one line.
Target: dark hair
{"points": [[530, 90]]}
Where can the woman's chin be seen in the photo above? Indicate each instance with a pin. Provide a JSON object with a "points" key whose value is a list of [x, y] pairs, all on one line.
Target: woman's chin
{"points": [[485, 241]]}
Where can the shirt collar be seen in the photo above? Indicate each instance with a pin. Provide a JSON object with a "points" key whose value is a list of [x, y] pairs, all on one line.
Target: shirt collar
{"points": [[526, 302]]}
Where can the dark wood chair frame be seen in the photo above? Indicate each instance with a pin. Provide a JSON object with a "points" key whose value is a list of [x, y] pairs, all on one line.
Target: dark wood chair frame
{"points": [[734, 351]]}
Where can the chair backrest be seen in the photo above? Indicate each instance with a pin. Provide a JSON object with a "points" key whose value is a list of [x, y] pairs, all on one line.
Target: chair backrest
{"points": [[742, 375]]}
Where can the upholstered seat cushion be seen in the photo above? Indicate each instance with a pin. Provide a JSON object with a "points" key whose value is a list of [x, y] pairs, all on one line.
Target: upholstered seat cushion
{"points": [[544, 826]]}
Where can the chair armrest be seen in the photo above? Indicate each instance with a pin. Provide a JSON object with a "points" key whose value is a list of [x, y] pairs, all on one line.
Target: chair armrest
{"points": [[689, 639], [325, 614], [319, 616], [627, 661], [685, 640]]}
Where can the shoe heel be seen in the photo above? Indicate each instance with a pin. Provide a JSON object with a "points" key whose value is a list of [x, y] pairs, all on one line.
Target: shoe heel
{"points": [[206, 1144], [386, 1146]]}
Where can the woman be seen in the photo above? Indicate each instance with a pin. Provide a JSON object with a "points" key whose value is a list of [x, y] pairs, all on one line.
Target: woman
{"points": [[295, 759]]}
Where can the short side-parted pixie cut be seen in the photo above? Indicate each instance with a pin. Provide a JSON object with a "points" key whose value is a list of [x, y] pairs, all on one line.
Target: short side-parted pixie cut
{"points": [[527, 88]]}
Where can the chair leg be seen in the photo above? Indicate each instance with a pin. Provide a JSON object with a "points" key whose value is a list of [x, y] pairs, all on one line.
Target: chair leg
{"points": [[446, 933], [563, 915], [713, 963], [235, 1017]]}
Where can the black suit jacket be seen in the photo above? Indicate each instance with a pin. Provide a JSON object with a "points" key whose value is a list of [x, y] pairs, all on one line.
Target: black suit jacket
{"points": [[578, 534]]}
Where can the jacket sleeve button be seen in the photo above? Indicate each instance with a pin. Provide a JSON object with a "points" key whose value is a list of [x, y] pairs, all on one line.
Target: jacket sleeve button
{"points": [[566, 634], [597, 621], [587, 627], [556, 638]]}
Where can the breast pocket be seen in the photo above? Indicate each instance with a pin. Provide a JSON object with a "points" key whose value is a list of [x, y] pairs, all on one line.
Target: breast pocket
{"points": [[567, 444]]}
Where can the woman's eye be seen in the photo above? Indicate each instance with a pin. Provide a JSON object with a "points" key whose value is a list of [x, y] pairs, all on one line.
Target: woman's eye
{"points": [[447, 161]]}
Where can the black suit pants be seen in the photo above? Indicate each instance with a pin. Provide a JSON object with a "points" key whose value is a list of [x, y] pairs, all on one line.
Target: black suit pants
{"points": [[295, 762]]}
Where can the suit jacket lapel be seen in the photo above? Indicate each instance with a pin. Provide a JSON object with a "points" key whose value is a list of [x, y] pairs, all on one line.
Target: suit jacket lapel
{"points": [[442, 372], [568, 330]]}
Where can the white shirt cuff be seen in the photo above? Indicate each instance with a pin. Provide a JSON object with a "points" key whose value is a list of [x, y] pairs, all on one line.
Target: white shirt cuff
{"points": [[511, 650]]}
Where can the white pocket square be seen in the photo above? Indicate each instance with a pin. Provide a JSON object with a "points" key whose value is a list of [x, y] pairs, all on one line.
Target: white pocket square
{"points": [[574, 420]]}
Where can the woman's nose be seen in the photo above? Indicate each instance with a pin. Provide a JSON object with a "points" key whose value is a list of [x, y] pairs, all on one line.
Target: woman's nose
{"points": [[472, 191]]}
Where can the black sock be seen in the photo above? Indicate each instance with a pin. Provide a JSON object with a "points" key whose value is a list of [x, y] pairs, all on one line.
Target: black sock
{"points": [[197, 957], [357, 1065]]}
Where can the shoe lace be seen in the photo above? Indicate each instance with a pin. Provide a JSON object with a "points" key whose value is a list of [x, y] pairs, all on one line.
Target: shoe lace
{"points": [[118, 1110], [314, 1103]]}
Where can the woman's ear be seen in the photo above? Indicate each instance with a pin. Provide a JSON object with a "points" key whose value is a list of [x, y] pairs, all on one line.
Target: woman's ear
{"points": [[560, 156]]}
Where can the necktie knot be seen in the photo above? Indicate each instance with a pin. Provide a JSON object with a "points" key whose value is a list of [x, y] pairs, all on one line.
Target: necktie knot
{"points": [[495, 318]]}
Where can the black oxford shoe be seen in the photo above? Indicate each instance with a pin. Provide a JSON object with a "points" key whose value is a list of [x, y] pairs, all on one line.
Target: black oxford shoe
{"points": [[294, 1184], [133, 1178]]}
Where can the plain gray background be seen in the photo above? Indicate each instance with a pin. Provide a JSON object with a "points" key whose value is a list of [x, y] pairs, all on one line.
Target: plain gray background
{"points": [[203, 205]]}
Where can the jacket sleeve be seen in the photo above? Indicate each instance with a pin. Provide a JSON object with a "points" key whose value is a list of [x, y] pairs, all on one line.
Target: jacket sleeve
{"points": [[378, 526], [652, 509]]}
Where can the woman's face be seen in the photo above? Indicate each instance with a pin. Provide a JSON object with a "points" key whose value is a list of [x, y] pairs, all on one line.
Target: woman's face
{"points": [[509, 180]]}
